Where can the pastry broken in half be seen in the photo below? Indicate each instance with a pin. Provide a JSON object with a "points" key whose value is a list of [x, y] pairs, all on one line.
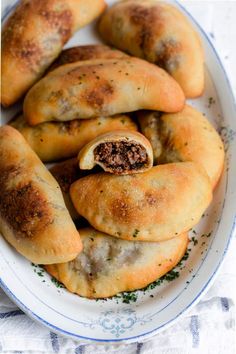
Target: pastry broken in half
{"points": [[118, 152]]}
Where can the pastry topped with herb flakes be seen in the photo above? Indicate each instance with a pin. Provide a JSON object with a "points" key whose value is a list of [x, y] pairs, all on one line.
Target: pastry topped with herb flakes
{"points": [[108, 266], [91, 88], [155, 205], [160, 33], [53, 141]]}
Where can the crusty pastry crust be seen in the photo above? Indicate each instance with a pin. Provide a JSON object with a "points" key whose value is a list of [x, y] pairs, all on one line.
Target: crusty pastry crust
{"points": [[184, 136], [98, 87], [120, 152], [154, 205], [54, 141], [160, 33], [108, 265], [65, 173], [86, 52], [33, 216], [34, 35]]}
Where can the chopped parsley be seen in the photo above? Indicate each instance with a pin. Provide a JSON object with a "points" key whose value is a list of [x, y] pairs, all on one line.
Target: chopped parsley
{"points": [[38, 269], [127, 297], [57, 283]]}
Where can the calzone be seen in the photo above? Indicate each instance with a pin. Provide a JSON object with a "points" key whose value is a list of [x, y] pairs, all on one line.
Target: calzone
{"points": [[160, 33], [154, 205], [33, 37], [33, 216], [54, 141], [184, 136], [108, 265], [92, 88]]}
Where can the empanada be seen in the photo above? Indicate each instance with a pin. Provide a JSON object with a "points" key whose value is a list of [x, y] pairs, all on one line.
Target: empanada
{"points": [[119, 152], [184, 136], [159, 33], [108, 265], [34, 35], [98, 87], [155, 205], [54, 141], [87, 52], [65, 173], [33, 216]]}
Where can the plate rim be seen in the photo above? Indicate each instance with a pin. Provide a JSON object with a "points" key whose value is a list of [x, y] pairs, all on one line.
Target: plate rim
{"points": [[201, 291]]}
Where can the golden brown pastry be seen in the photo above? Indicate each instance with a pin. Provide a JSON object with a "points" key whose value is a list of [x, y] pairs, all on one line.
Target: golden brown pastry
{"points": [[34, 35], [98, 87], [108, 265], [119, 152], [184, 136], [155, 205], [60, 140], [65, 173], [87, 52], [33, 216], [159, 33]]}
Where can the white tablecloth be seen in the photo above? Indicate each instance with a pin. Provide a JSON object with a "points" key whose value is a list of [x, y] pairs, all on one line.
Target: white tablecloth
{"points": [[210, 326]]}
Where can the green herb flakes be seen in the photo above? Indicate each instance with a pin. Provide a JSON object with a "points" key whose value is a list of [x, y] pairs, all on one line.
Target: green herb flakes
{"points": [[57, 283]]}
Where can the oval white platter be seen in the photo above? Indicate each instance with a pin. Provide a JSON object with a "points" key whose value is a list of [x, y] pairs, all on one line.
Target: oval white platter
{"points": [[112, 320]]}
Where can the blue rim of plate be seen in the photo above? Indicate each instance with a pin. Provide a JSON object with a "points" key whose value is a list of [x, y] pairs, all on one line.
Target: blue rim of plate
{"points": [[33, 315]]}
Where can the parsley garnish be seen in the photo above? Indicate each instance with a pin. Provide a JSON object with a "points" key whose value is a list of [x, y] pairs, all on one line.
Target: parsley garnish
{"points": [[57, 283]]}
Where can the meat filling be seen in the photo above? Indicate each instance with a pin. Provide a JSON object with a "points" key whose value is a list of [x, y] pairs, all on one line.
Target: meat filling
{"points": [[121, 156]]}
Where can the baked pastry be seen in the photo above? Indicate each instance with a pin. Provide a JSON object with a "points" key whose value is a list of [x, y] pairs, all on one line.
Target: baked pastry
{"points": [[33, 216], [54, 141], [98, 87], [119, 152], [34, 35], [65, 173], [160, 33], [184, 136], [155, 205], [87, 52], [108, 265]]}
